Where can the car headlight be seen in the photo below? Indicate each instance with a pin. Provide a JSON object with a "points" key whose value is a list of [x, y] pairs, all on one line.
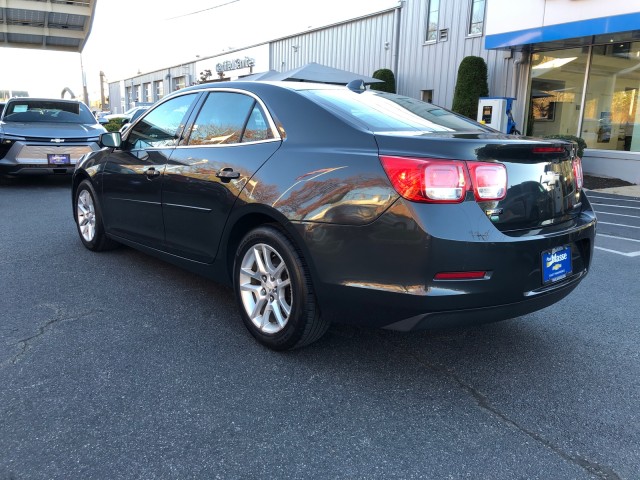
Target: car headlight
{"points": [[6, 142]]}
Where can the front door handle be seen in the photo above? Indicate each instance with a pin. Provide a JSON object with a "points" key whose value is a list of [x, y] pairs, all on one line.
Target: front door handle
{"points": [[152, 173], [227, 173]]}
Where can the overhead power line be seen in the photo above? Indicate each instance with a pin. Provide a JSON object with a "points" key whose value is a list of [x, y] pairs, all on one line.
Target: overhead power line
{"points": [[204, 10]]}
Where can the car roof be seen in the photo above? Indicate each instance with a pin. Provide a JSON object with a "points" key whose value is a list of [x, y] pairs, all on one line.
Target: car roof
{"points": [[289, 85], [43, 99]]}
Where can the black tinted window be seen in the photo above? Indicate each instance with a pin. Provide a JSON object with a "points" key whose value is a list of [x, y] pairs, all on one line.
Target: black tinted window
{"points": [[380, 111], [162, 126], [228, 117]]}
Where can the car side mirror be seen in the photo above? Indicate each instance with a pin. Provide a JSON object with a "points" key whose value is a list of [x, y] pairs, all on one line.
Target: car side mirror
{"points": [[111, 140]]}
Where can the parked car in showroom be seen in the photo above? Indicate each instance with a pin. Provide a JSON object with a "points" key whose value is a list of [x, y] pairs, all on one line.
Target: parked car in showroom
{"points": [[322, 204], [46, 136]]}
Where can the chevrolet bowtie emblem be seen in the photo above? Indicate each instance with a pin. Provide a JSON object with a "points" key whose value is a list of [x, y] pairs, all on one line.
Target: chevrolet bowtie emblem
{"points": [[57, 140]]}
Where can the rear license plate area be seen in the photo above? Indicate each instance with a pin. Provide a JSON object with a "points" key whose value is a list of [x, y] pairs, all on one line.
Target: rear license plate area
{"points": [[556, 264]]}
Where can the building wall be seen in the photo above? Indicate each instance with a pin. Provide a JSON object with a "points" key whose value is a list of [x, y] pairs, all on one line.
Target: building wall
{"points": [[360, 46], [434, 65]]}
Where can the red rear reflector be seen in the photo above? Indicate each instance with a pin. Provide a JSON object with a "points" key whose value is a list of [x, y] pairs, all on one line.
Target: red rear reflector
{"points": [[548, 150], [460, 275]]}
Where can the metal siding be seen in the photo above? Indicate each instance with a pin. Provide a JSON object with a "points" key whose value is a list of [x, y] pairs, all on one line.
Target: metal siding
{"points": [[434, 66], [357, 46]]}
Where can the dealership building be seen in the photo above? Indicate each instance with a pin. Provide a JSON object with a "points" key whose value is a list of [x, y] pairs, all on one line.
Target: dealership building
{"points": [[571, 66]]}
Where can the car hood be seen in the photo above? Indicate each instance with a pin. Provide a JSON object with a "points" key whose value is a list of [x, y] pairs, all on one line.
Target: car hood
{"points": [[51, 130]]}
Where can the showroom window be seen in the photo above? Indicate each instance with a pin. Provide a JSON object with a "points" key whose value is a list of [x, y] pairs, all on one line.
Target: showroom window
{"points": [[611, 119], [476, 19], [557, 83], [159, 89], [432, 20], [608, 118], [147, 92], [179, 82]]}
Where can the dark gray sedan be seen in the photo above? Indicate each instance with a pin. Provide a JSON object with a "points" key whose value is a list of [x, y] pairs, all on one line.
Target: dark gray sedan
{"points": [[323, 204], [46, 136]]}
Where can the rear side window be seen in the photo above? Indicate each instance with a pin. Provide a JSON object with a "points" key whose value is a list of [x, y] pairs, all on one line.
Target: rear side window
{"points": [[227, 118], [386, 112], [163, 125]]}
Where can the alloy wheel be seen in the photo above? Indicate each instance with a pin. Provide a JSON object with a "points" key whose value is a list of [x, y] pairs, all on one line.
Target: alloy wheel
{"points": [[86, 212], [265, 288]]}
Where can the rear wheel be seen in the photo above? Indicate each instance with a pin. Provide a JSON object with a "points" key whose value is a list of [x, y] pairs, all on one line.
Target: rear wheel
{"points": [[274, 291], [89, 219]]}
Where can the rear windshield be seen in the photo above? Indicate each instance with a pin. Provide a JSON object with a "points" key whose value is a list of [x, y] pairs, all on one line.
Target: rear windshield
{"points": [[386, 112], [49, 111]]}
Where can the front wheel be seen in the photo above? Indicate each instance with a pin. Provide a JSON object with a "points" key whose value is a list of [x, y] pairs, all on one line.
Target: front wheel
{"points": [[274, 291], [89, 219]]}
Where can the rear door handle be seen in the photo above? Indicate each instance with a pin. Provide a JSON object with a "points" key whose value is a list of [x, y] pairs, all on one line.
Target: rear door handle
{"points": [[151, 173], [227, 174]]}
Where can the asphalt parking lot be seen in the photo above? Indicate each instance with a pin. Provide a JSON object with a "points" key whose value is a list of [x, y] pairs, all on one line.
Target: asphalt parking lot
{"points": [[116, 365]]}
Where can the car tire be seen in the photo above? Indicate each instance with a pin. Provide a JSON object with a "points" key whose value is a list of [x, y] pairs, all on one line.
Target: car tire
{"points": [[274, 291], [89, 219]]}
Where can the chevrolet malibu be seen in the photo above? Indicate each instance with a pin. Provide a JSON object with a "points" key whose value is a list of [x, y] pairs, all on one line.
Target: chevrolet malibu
{"points": [[323, 204], [45, 136]]}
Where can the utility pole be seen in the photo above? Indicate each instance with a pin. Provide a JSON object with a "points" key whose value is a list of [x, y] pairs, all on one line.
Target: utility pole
{"points": [[84, 84], [102, 99]]}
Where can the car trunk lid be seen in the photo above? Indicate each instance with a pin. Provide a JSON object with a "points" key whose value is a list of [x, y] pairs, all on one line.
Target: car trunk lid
{"points": [[543, 184]]}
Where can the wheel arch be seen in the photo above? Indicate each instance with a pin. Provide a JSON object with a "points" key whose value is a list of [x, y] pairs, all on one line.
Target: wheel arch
{"points": [[243, 220]]}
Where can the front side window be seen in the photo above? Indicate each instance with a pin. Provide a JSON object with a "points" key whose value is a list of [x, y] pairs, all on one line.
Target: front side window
{"points": [[163, 125], [476, 21], [432, 20], [228, 117]]}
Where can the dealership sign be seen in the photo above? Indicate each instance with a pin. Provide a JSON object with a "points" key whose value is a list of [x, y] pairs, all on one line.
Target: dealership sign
{"points": [[235, 64]]}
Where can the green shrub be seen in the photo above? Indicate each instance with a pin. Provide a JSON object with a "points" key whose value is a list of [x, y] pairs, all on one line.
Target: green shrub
{"points": [[114, 124], [389, 79], [471, 84], [571, 138]]}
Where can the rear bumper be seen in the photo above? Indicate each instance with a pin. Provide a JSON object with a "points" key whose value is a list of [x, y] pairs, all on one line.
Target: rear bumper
{"points": [[389, 282]]}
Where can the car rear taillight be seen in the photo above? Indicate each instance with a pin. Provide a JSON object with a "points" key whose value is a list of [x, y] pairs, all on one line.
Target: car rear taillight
{"points": [[577, 172], [427, 180], [489, 180], [445, 181]]}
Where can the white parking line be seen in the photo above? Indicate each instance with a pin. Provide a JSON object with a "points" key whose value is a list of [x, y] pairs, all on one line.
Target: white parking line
{"points": [[624, 239], [616, 206], [617, 224], [609, 198], [618, 238], [630, 254], [617, 214]]}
